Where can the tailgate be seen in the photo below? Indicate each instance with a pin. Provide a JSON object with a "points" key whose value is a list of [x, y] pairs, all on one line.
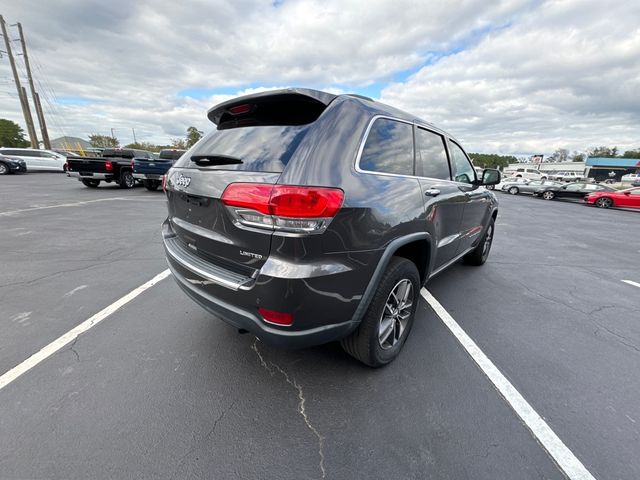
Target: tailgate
{"points": [[255, 138], [87, 165], [151, 167]]}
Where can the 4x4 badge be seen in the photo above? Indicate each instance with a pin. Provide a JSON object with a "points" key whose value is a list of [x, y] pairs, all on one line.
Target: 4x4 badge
{"points": [[183, 181]]}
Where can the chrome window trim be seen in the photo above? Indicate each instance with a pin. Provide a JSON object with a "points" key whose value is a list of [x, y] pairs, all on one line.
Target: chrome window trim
{"points": [[424, 126]]}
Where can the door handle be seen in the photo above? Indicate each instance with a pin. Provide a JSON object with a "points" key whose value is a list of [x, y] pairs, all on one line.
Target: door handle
{"points": [[432, 192]]}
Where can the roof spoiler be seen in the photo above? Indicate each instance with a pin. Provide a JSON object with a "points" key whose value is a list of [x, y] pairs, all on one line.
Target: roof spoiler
{"points": [[291, 106]]}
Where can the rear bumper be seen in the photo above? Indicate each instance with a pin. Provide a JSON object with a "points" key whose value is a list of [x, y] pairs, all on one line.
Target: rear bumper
{"points": [[323, 306], [91, 176], [147, 176]]}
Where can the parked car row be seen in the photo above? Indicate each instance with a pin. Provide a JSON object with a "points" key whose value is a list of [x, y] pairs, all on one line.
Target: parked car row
{"points": [[124, 166], [600, 195]]}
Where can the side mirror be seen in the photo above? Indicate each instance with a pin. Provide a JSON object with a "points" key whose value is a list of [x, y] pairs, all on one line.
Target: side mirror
{"points": [[490, 176], [627, 193]]}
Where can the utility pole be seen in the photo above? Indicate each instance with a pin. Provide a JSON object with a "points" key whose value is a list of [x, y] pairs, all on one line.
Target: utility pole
{"points": [[134, 135], [34, 95], [21, 91]]}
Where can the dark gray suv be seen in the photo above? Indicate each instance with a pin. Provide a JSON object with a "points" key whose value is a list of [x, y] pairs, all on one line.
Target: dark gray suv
{"points": [[306, 217]]}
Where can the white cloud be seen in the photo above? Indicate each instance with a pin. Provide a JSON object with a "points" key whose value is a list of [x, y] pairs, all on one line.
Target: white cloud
{"points": [[514, 77]]}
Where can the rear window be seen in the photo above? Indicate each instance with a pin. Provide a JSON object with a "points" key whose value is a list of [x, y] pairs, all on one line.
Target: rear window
{"points": [[171, 154], [112, 152], [254, 148]]}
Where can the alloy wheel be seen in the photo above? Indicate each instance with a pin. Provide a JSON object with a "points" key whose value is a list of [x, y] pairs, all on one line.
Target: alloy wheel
{"points": [[396, 313]]}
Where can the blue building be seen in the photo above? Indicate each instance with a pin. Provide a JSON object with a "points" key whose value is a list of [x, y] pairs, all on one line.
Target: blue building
{"points": [[600, 168]]}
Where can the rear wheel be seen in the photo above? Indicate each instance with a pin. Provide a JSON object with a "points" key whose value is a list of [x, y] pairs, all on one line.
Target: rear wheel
{"points": [[604, 202], [548, 195], [91, 183], [478, 256], [388, 320], [3, 169], [513, 190], [151, 184], [126, 179]]}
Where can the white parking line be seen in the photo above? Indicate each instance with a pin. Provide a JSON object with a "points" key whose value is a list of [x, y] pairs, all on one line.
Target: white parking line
{"points": [[631, 282], [77, 204], [563, 457], [72, 334]]}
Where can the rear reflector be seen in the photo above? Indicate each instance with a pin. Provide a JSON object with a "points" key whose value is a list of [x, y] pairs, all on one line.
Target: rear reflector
{"points": [[278, 318]]}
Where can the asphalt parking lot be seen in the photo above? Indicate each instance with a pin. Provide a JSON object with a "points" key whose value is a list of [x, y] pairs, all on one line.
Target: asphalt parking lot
{"points": [[160, 389]]}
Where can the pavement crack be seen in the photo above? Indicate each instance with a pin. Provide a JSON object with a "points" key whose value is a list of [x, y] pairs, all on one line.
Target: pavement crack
{"points": [[272, 368], [51, 275], [619, 338], [71, 347], [203, 440]]}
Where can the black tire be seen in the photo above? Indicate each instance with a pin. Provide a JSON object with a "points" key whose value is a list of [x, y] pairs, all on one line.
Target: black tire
{"points": [[90, 183], [543, 178], [513, 190], [548, 195], [364, 343], [151, 185], [126, 179], [518, 176], [478, 256], [604, 202], [4, 169]]}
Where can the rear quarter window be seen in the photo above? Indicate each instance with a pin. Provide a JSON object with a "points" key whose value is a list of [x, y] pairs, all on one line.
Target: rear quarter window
{"points": [[388, 148]]}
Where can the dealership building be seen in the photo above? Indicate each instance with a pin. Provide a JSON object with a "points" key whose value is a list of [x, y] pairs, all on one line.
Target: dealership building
{"points": [[601, 168]]}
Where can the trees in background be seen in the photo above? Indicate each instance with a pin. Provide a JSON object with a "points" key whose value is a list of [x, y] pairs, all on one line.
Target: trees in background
{"points": [[492, 160], [103, 141], [12, 135]]}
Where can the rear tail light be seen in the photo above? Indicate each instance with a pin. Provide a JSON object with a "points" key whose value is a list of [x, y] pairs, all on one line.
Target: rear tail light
{"points": [[164, 183], [132, 164], [278, 318], [108, 166], [287, 208]]}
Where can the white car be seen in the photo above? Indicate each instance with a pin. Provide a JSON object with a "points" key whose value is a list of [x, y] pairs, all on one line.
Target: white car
{"points": [[630, 178], [38, 160], [529, 173], [571, 177]]}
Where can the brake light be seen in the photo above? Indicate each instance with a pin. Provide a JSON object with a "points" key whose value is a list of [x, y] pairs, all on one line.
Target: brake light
{"points": [[164, 183], [132, 164], [296, 209], [279, 318], [108, 166], [240, 109]]}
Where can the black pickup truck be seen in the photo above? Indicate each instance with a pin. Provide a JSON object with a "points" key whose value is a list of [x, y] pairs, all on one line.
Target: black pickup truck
{"points": [[113, 166]]}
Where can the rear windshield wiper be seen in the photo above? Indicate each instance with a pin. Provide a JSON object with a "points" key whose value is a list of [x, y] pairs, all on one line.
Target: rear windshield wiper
{"points": [[208, 160]]}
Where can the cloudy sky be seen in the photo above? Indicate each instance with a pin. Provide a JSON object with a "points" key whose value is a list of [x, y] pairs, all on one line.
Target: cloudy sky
{"points": [[510, 77]]}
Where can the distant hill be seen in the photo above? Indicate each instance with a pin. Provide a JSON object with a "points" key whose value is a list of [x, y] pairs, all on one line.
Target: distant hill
{"points": [[70, 143]]}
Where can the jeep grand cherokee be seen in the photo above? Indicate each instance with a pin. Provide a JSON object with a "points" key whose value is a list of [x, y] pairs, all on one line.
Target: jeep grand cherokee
{"points": [[306, 217]]}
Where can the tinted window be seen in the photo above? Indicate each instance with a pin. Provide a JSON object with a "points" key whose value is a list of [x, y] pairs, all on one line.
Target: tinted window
{"points": [[575, 187], [259, 149], [113, 152], [462, 170], [171, 154], [389, 148], [431, 156]]}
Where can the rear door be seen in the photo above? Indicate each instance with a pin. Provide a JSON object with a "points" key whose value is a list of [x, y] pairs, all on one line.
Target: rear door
{"points": [[444, 201], [254, 140]]}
